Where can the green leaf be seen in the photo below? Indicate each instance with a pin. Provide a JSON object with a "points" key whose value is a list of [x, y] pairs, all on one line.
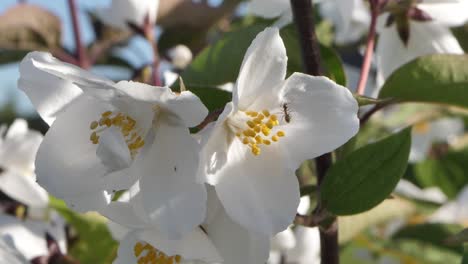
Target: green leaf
{"points": [[95, 244], [367, 176], [461, 237], [213, 98], [440, 78], [29, 27], [449, 173], [220, 62], [432, 234], [331, 62], [465, 258]]}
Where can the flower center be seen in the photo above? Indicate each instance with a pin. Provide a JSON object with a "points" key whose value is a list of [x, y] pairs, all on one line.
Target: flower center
{"points": [[421, 128], [125, 123], [146, 254], [254, 129]]}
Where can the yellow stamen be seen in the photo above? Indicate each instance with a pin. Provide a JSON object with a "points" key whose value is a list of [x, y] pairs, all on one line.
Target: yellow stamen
{"points": [[266, 113], [280, 133], [275, 138], [93, 125], [146, 254]]}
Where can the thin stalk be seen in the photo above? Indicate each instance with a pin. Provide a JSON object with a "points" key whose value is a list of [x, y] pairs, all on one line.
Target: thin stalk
{"points": [[148, 31], [304, 20], [81, 55], [374, 5]]}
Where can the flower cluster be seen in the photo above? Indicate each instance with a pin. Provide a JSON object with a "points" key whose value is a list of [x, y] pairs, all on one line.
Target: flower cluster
{"points": [[125, 150]]}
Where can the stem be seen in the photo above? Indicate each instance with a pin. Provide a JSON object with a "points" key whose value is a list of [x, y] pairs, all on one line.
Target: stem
{"points": [[302, 11], [148, 31], [373, 110], [80, 51], [374, 5], [303, 18]]}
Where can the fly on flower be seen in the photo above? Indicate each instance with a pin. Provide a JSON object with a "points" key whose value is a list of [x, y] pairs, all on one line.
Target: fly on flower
{"points": [[270, 127], [112, 136]]}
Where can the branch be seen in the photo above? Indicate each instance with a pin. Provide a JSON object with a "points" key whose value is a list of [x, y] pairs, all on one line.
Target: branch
{"points": [[80, 50], [303, 18]]}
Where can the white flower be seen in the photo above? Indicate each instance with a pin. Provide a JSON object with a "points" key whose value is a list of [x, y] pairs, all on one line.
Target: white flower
{"points": [[271, 126], [425, 133], [18, 149], [9, 254], [351, 18], [29, 236], [453, 212], [427, 37], [432, 194], [180, 56], [218, 240], [307, 249], [122, 12], [111, 136]]}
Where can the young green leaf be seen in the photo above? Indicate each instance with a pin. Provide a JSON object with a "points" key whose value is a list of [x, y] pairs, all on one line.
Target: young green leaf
{"points": [[440, 78], [367, 176]]}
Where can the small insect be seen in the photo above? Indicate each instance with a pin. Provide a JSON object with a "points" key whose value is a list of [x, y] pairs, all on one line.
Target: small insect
{"points": [[287, 112]]}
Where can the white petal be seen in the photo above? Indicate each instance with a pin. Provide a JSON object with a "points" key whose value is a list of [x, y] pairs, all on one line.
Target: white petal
{"points": [[18, 150], [235, 243], [307, 250], [117, 231], [425, 38], [66, 164], [450, 13], [49, 94], [304, 205], [121, 12], [446, 129], [9, 254], [125, 253], [269, 8], [283, 240], [171, 195], [194, 246], [112, 150], [433, 194], [23, 189], [323, 116], [123, 213], [186, 105], [258, 192], [350, 17], [215, 146], [56, 228], [420, 145], [263, 68], [28, 236], [85, 80]]}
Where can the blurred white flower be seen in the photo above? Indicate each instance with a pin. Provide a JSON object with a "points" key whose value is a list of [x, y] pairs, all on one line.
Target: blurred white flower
{"points": [[180, 56], [110, 137], [18, 148], [432, 194], [426, 133], [122, 12], [218, 240], [9, 254], [272, 125], [29, 236], [307, 249], [424, 37], [351, 18], [453, 212]]}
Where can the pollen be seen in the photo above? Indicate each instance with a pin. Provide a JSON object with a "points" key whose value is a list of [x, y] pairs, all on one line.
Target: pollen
{"points": [[421, 128], [126, 125], [147, 254], [257, 129]]}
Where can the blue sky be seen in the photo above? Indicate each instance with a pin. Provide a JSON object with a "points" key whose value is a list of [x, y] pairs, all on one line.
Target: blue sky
{"points": [[9, 73]]}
